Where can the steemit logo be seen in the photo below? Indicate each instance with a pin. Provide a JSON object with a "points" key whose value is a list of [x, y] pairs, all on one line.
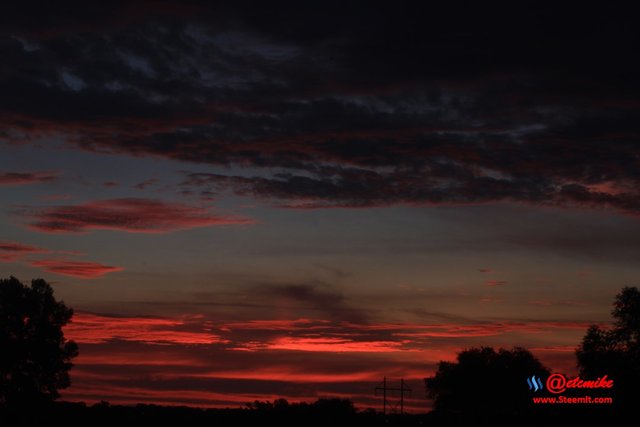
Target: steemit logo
{"points": [[535, 383]]}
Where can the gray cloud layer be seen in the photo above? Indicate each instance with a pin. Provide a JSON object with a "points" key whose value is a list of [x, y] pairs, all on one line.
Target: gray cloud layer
{"points": [[418, 104]]}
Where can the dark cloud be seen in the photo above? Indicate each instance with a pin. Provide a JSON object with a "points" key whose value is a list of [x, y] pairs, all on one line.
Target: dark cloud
{"points": [[130, 215], [22, 178], [317, 299], [336, 105], [146, 183]]}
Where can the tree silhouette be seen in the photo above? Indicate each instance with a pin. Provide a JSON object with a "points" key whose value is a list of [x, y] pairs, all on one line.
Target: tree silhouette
{"points": [[485, 383], [324, 411], [35, 357], [615, 352]]}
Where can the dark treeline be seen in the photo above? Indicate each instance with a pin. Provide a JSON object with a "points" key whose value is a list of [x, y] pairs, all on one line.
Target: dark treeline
{"points": [[323, 412]]}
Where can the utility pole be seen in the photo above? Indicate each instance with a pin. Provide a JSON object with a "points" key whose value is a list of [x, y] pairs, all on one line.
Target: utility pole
{"points": [[401, 396], [384, 389], [384, 396]]}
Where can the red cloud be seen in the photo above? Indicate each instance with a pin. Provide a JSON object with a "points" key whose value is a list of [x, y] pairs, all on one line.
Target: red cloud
{"points": [[134, 372], [496, 282], [327, 337], [95, 329], [159, 360], [16, 247], [22, 178], [293, 374], [11, 251], [82, 269], [486, 329], [324, 344], [131, 215], [8, 257], [335, 345]]}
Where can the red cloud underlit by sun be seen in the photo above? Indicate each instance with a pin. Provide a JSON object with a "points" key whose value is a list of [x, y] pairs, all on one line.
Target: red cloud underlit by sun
{"points": [[325, 344], [342, 337], [324, 337], [133, 359], [130, 215], [293, 374], [82, 269], [8, 257], [486, 330], [457, 330], [12, 251], [95, 329], [19, 247]]}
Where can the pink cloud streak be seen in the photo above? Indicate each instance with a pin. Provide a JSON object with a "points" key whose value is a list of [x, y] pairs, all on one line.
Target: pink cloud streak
{"points": [[82, 269], [130, 215]]}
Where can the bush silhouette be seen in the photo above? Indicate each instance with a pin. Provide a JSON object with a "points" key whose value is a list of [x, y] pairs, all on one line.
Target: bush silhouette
{"points": [[35, 357], [485, 383], [615, 352]]}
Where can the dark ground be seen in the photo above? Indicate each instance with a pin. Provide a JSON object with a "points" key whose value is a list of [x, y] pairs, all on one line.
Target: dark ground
{"points": [[66, 414]]}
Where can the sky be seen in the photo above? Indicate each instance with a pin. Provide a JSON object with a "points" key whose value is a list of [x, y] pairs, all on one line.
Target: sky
{"points": [[263, 200]]}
